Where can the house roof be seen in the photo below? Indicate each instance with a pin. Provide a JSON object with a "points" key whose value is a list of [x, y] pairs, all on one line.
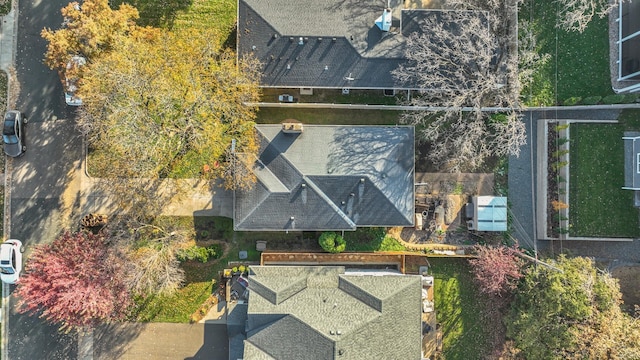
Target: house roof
{"points": [[324, 43], [329, 313], [330, 178], [631, 160]]}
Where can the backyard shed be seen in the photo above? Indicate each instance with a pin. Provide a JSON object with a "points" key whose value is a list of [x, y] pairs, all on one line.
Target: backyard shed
{"points": [[487, 213]]}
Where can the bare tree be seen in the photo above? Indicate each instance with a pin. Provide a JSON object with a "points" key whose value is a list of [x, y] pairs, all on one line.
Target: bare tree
{"points": [[461, 60], [153, 267], [575, 15]]}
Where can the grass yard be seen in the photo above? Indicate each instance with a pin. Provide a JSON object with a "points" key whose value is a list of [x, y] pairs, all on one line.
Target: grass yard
{"points": [[328, 116], [180, 306], [459, 309], [579, 64], [598, 206]]}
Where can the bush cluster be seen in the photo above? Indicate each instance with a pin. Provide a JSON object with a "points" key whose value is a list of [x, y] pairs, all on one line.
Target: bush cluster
{"points": [[607, 100], [200, 253], [332, 242]]}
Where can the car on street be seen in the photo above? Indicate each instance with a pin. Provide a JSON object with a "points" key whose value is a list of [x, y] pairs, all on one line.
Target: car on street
{"points": [[71, 78], [285, 98], [13, 133], [11, 260]]}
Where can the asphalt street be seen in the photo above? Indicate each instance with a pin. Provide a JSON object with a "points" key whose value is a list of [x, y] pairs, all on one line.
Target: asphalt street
{"points": [[39, 206]]}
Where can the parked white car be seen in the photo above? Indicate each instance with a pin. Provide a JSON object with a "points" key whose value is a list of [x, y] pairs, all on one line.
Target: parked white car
{"points": [[285, 98], [71, 78], [11, 260]]}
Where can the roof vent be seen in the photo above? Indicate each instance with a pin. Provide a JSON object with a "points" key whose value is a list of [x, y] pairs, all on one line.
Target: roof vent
{"points": [[319, 39], [332, 332], [326, 67], [292, 126], [334, 39], [338, 332], [253, 48], [275, 36], [291, 39], [288, 66], [301, 41], [340, 352]]}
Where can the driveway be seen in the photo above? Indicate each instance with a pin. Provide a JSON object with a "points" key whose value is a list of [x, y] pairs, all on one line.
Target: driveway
{"points": [[156, 341]]}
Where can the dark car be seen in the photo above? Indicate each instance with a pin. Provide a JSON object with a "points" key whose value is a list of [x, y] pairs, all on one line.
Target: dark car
{"points": [[13, 133]]}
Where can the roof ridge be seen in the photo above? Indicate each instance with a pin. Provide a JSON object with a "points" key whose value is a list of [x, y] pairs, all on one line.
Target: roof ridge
{"points": [[329, 202]]}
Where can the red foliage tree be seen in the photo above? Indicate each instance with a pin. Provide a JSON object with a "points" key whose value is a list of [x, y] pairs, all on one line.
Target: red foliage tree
{"points": [[75, 281], [497, 269]]}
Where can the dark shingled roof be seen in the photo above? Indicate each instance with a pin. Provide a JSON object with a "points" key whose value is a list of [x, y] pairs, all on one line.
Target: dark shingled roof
{"points": [[332, 314], [330, 178], [340, 41]]}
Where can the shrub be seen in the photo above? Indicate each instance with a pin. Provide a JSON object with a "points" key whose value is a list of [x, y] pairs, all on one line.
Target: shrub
{"points": [[592, 100], [332, 242], [202, 254], [572, 101], [391, 244], [613, 99], [558, 205]]}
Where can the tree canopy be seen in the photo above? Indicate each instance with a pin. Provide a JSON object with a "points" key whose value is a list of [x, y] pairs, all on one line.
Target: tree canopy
{"points": [[169, 106], [573, 313], [464, 59], [89, 30], [496, 269], [75, 281]]}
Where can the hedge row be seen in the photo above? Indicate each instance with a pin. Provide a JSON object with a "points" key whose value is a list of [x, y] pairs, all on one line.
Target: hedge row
{"points": [[607, 100]]}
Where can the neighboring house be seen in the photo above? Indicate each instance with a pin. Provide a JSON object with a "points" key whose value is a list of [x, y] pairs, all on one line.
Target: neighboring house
{"points": [[628, 46], [328, 312], [325, 177], [326, 44]]}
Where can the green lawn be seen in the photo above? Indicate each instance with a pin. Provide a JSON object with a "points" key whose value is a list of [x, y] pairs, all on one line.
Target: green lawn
{"points": [[459, 310], [580, 61], [598, 206], [329, 116], [180, 306]]}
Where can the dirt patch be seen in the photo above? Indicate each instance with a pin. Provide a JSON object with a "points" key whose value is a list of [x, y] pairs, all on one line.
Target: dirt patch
{"points": [[440, 201], [629, 277]]}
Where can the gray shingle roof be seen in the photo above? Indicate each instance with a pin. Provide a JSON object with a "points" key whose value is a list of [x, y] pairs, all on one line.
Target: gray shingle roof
{"points": [[335, 315], [340, 39], [330, 178]]}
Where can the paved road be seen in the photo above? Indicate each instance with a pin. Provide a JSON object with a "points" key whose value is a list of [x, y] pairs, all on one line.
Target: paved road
{"points": [[41, 179]]}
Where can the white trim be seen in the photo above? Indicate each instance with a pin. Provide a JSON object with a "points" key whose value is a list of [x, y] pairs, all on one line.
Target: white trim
{"points": [[628, 76], [629, 36]]}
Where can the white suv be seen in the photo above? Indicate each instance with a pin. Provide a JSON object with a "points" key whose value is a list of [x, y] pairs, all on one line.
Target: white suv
{"points": [[11, 260]]}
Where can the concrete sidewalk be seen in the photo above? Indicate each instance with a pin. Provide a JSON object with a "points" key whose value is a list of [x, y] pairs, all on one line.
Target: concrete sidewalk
{"points": [[8, 32]]}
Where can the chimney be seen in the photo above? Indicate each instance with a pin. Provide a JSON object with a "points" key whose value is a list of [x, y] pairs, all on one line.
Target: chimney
{"points": [[292, 126]]}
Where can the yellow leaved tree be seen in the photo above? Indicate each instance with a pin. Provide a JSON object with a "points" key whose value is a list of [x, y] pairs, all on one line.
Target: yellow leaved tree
{"points": [[170, 106]]}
